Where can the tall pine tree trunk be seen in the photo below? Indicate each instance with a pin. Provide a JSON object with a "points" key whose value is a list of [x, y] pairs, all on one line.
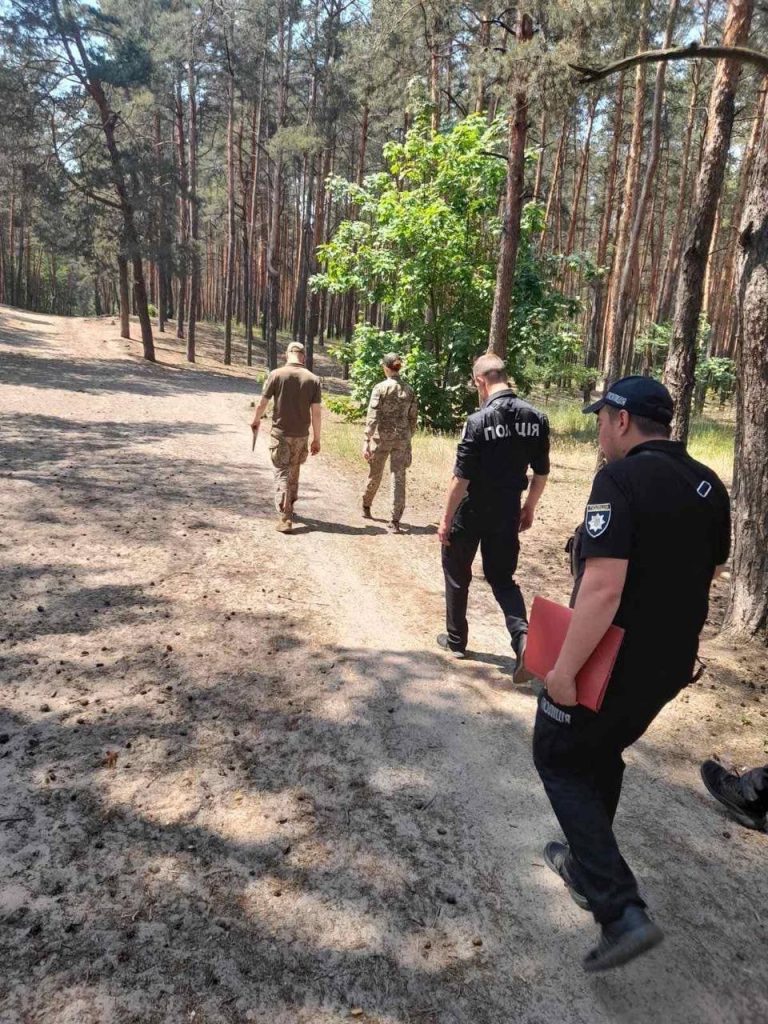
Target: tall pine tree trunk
{"points": [[619, 344], [612, 350], [272, 310], [681, 360], [194, 215], [181, 151], [230, 273], [747, 612], [513, 205]]}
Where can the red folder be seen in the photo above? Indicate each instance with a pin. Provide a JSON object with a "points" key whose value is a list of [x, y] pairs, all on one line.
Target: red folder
{"points": [[547, 628]]}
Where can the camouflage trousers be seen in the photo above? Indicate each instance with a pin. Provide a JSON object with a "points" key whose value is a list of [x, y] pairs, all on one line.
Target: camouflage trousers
{"points": [[399, 455], [287, 454]]}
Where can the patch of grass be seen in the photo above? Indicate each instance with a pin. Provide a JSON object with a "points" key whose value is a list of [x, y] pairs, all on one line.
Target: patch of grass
{"points": [[574, 436], [711, 442]]}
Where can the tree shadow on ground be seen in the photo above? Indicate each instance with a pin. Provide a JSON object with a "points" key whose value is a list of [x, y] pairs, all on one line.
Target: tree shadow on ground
{"points": [[317, 862], [110, 376]]}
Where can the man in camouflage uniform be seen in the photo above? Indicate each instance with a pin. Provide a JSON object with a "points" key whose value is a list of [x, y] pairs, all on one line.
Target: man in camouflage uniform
{"points": [[296, 394], [389, 427]]}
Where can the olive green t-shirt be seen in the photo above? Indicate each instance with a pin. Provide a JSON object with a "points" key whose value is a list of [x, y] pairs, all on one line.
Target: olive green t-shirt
{"points": [[294, 390]]}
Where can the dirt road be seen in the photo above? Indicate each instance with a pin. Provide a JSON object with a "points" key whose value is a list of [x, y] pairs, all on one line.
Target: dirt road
{"points": [[240, 784]]}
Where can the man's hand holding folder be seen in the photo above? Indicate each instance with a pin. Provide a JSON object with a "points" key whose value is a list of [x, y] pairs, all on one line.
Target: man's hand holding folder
{"points": [[587, 638]]}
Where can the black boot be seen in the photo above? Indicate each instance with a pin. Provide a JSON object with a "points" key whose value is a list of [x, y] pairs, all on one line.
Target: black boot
{"points": [[726, 787], [444, 642], [520, 674], [624, 939], [556, 856]]}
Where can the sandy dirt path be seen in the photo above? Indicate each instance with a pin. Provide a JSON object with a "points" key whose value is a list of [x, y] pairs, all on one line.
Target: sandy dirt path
{"points": [[239, 783]]}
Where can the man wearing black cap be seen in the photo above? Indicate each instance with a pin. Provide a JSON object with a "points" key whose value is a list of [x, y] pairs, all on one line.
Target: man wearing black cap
{"points": [[656, 532]]}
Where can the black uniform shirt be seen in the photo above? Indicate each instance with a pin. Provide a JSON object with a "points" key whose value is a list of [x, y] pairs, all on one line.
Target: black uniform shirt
{"points": [[500, 441], [669, 516]]}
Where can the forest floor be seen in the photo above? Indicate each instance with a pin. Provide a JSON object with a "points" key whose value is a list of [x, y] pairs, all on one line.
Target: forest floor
{"points": [[240, 783]]}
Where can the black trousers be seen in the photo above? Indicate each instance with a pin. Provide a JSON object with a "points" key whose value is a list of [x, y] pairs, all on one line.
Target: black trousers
{"points": [[495, 532], [578, 755]]}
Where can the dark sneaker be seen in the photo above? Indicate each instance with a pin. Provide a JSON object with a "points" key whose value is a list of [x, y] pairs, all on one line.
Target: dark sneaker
{"points": [[520, 674], [367, 512], [622, 940], [455, 652], [726, 787], [556, 858], [394, 527]]}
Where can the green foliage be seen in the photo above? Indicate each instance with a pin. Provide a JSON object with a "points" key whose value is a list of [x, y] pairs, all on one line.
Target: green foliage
{"points": [[424, 246], [345, 408], [653, 342], [717, 375], [152, 308]]}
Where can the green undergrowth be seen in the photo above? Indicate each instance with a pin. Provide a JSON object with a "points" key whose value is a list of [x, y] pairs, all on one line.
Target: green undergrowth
{"points": [[573, 435]]}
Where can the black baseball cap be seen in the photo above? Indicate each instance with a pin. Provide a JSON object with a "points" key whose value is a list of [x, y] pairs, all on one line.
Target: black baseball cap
{"points": [[639, 396]]}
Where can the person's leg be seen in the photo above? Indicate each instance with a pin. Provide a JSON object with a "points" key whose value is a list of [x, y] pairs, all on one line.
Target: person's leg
{"points": [[399, 461], [280, 454], [500, 549], [298, 449], [458, 556], [609, 779], [578, 755], [379, 455], [568, 769]]}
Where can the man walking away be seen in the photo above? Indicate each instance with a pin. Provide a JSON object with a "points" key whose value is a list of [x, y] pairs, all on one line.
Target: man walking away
{"points": [[656, 531], [296, 394], [389, 427], [500, 441]]}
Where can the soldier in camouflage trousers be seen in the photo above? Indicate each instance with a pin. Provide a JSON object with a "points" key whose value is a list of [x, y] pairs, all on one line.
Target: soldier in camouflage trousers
{"points": [[389, 427]]}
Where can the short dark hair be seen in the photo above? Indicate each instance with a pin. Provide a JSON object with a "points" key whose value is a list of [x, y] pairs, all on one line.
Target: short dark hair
{"points": [[644, 425], [491, 367]]}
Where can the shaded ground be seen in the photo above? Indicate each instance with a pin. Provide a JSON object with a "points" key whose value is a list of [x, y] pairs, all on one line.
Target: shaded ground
{"points": [[240, 785]]}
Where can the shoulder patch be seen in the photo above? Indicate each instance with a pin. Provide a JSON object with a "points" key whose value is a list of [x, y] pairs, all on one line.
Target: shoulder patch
{"points": [[597, 518]]}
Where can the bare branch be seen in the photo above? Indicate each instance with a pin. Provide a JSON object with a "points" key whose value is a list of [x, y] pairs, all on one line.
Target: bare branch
{"points": [[691, 52]]}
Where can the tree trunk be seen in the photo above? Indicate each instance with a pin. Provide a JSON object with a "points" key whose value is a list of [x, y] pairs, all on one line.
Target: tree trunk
{"points": [[747, 612], [483, 41], [612, 351], [669, 274], [125, 301], [591, 107], [555, 181], [230, 278], [181, 151], [681, 360], [193, 214], [618, 344], [272, 309], [510, 231], [317, 239], [724, 321]]}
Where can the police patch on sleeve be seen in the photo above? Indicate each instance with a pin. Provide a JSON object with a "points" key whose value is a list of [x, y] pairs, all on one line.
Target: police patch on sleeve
{"points": [[597, 518]]}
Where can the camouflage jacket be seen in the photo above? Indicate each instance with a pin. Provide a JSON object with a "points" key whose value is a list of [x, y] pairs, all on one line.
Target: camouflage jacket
{"points": [[392, 412]]}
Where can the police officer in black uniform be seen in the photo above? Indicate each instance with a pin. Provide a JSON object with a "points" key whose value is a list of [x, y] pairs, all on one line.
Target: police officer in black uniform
{"points": [[500, 441], [656, 531]]}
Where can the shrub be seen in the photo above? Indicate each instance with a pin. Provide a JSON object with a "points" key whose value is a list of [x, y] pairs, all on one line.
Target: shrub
{"points": [[346, 408]]}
